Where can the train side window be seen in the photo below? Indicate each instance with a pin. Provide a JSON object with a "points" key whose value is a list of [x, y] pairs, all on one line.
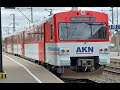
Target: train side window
{"points": [[39, 31], [15, 39], [25, 38], [36, 35], [51, 32], [21, 38], [9, 40], [32, 36], [42, 33], [28, 36], [18, 39]]}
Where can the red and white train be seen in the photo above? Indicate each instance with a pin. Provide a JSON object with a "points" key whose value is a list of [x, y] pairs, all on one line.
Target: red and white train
{"points": [[73, 40]]}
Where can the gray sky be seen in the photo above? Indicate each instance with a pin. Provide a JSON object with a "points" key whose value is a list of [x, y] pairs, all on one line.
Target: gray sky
{"points": [[38, 15]]}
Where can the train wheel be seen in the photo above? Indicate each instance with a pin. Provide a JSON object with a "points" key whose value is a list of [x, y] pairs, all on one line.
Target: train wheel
{"points": [[39, 62]]}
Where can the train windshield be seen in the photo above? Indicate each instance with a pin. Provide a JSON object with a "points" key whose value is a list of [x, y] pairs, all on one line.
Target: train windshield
{"points": [[82, 31]]}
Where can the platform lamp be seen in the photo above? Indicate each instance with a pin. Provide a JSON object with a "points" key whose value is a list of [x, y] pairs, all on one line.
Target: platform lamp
{"points": [[2, 73]]}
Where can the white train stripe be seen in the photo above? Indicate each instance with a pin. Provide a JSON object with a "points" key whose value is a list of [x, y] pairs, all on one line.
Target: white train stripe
{"points": [[25, 69]]}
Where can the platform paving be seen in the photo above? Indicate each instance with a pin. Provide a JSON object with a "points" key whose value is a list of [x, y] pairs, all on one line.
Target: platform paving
{"points": [[24, 71]]}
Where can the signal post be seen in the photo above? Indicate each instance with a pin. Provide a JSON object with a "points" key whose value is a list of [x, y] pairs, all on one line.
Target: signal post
{"points": [[2, 73]]}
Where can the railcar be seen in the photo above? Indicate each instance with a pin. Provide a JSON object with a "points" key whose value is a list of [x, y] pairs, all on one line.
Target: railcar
{"points": [[73, 42]]}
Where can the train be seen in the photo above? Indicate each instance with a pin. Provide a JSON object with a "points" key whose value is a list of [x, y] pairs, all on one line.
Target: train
{"points": [[72, 43]]}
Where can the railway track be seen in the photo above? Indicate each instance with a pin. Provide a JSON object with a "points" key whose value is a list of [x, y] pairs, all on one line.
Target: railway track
{"points": [[112, 69], [111, 73]]}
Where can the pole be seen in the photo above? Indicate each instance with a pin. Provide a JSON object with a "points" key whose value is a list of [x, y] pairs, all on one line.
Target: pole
{"points": [[1, 67], [13, 22], [117, 34], [31, 15], [8, 31], [29, 24], [112, 16], [112, 22]]}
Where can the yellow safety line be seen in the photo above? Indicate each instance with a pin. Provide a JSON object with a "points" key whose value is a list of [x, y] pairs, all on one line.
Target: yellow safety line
{"points": [[3, 75]]}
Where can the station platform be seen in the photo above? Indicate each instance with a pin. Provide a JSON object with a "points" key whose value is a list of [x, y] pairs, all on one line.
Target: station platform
{"points": [[20, 70]]}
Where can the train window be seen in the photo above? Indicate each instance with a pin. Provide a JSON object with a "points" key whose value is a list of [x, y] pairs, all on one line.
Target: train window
{"points": [[14, 39], [51, 32], [21, 38], [8, 40], [82, 31], [102, 33], [28, 37], [36, 35], [32, 36], [17, 39], [42, 33], [11, 40], [39, 31]]}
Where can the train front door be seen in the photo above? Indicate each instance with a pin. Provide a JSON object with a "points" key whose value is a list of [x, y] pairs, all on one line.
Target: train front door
{"points": [[41, 44]]}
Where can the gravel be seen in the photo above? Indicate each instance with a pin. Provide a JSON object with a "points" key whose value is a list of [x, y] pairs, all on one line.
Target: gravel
{"points": [[107, 78]]}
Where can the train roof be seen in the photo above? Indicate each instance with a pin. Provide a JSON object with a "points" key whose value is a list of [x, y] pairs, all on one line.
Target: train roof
{"points": [[80, 11]]}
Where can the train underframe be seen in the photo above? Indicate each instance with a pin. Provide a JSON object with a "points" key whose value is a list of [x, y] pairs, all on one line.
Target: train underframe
{"points": [[80, 67]]}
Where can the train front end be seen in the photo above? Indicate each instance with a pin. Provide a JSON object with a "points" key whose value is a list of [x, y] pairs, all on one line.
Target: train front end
{"points": [[82, 43]]}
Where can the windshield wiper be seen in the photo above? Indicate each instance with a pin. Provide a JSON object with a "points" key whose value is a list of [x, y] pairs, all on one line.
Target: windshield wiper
{"points": [[92, 30], [88, 38], [90, 34]]}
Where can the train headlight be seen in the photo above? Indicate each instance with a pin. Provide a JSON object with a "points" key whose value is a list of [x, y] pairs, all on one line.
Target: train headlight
{"points": [[64, 51], [82, 12], [104, 50]]}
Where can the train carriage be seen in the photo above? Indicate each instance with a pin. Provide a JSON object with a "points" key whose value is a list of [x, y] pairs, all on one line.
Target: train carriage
{"points": [[8, 44], [74, 40]]}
